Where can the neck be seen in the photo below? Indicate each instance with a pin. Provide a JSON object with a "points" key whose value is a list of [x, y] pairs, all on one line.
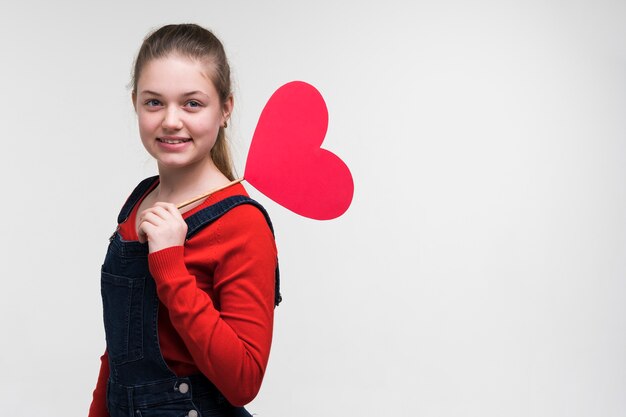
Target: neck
{"points": [[179, 184]]}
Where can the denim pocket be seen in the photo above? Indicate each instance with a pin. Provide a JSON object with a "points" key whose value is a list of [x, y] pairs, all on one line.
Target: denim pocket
{"points": [[122, 301], [174, 409]]}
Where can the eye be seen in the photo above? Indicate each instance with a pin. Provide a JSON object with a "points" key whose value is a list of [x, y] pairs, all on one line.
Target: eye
{"points": [[152, 102], [193, 104]]}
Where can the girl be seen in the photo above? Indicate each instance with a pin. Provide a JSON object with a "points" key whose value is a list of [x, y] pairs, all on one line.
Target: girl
{"points": [[188, 297]]}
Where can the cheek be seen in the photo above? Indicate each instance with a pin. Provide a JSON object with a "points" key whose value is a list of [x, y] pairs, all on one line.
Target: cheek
{"points": [[206, 128], [147, 122]]}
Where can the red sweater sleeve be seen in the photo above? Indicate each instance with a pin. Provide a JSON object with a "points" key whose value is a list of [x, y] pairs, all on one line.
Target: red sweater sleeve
{"points": [[228, 333], [98, 406]]}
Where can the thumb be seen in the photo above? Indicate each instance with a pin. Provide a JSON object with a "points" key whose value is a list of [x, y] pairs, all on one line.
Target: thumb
{"points": [[143, 237]]}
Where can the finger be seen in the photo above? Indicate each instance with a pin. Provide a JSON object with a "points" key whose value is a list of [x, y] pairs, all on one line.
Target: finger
{"points": [[164, 204], [171, 208], [144, 231], [152, 218], [153, 209], [157, 215], [165, 212], [161, 212], [141, 236]]}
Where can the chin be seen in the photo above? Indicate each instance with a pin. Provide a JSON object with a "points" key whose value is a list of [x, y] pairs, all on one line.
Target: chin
{"points": [[177, 162], [172, 165]]}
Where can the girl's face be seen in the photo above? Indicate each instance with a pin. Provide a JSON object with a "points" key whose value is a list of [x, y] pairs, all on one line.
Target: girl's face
{"points": [[179, 111]]}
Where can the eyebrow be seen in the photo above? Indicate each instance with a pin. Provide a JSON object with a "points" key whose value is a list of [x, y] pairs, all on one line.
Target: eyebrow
{"points": [[154, 93]]}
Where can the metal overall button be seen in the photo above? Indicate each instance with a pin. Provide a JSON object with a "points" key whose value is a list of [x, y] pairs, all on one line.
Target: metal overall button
{"points": [[183, 388], [192, 413]]}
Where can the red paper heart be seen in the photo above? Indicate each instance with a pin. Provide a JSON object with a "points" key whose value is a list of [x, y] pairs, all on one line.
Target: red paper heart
{"points": [[285, 161]]}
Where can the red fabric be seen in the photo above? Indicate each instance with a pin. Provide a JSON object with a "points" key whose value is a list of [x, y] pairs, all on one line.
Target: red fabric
{"points": [[216, 302]]}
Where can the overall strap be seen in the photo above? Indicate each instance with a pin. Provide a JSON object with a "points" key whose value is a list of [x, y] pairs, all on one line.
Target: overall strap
{"points": [[134, 197], [199, 220]]}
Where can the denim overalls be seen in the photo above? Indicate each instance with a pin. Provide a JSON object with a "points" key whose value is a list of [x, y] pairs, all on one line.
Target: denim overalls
{"points": [[140, 382]]}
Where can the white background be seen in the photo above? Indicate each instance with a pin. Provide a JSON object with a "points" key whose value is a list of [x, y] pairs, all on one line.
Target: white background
{"points": [[481, 269]]}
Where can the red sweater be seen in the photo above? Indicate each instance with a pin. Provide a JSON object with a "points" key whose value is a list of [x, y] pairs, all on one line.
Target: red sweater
{"points": [[216, 306]]}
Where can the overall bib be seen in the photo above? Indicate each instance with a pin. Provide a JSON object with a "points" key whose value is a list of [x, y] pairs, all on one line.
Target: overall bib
{"points": [[140, 382]]}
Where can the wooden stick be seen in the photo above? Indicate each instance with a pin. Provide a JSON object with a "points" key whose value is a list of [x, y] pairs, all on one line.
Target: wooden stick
{"points": [[200, 197]]}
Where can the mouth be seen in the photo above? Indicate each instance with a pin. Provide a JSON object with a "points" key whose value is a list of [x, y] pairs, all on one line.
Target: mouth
{"points": [[173, 141]]}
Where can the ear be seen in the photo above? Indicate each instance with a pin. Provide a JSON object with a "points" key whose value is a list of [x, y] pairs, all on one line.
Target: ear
{"points": [[227, 108], [133, 97]]}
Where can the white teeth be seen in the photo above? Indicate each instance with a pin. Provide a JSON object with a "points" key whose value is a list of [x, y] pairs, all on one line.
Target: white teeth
{"points": [[172, 141]]}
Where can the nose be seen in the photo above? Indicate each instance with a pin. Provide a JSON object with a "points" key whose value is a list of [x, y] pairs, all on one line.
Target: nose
{"points": [[171, 119]]}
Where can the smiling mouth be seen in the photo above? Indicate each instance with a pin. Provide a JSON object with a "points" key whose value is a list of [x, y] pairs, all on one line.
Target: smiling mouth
{"points": [[173, 141]]}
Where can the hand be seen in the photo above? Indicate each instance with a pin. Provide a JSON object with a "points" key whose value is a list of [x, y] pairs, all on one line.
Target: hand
{"points": [[162, 226]]}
